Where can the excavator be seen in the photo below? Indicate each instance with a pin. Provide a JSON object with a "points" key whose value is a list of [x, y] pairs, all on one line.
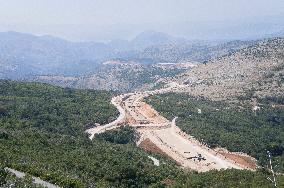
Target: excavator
{"points": [[198, 157]]}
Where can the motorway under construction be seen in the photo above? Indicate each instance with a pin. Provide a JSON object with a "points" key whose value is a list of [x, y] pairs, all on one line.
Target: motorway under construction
{"points": [[167, 137]]}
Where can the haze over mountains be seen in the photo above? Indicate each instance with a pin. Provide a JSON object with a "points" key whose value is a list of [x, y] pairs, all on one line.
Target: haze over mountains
{"points": [[26, 55], [246, 29], [74, 64]]}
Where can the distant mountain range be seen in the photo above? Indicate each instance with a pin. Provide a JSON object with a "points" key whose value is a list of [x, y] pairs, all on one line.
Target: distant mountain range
{"points": [[28, 54], [233, 69], [24, 55]]}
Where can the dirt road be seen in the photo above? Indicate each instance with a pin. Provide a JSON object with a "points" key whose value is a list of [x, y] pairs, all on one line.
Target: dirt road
{"points": [[188, 152], [165, 135], [35, 179]]}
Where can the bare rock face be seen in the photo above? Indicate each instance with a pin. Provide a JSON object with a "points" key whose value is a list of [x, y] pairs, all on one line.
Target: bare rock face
{"points": [[254, 71]]}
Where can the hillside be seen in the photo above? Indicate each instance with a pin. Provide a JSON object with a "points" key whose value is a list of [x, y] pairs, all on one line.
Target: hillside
{"points": [[119, 76], [197, 51], [256, 71]]}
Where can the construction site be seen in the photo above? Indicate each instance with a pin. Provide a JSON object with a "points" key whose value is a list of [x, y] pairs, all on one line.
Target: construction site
{"points": [[160, 135]]}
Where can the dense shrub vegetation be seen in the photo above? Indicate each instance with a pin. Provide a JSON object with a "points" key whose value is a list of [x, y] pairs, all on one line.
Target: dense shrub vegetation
{"points": [[228, 179], [218, 124], [42, 134], [124, 135], [272, 99]]}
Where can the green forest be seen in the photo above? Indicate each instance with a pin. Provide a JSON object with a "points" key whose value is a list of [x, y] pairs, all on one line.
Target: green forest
{"points": [[42, 134], [233, 126]]}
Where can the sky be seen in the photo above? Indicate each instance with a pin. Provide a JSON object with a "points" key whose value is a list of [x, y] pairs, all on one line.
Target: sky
{"points": [[103, 19]]}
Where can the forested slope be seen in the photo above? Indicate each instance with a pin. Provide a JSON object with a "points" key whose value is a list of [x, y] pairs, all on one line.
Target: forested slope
{"points": [[42, 134]]}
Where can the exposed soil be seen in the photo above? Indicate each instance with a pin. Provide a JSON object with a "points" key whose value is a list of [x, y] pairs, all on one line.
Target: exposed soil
{"points": [[147, 111], [148, 145], [243, 160], [129, 120]]}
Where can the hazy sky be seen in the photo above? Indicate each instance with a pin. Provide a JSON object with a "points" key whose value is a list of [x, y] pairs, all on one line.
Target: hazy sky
{"points": [[61, 16]]}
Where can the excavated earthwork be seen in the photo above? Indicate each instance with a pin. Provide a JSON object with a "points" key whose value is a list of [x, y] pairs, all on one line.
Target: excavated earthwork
{"points": [[159, 135]]}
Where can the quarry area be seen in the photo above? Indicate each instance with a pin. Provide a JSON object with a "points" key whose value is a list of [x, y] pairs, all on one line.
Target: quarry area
{"points": [[160, 135]]}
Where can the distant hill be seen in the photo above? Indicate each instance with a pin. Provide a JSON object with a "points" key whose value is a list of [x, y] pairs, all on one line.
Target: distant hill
{"points": [[153, 38], [24, 54], [198, 51], [118, 76]]}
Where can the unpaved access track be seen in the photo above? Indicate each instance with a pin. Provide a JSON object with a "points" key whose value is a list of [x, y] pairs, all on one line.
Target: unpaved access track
{"points": [[167, 137], [35, 179]]}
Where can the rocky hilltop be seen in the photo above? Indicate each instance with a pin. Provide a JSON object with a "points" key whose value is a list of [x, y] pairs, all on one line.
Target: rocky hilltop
{"points": [[254, 71]]}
